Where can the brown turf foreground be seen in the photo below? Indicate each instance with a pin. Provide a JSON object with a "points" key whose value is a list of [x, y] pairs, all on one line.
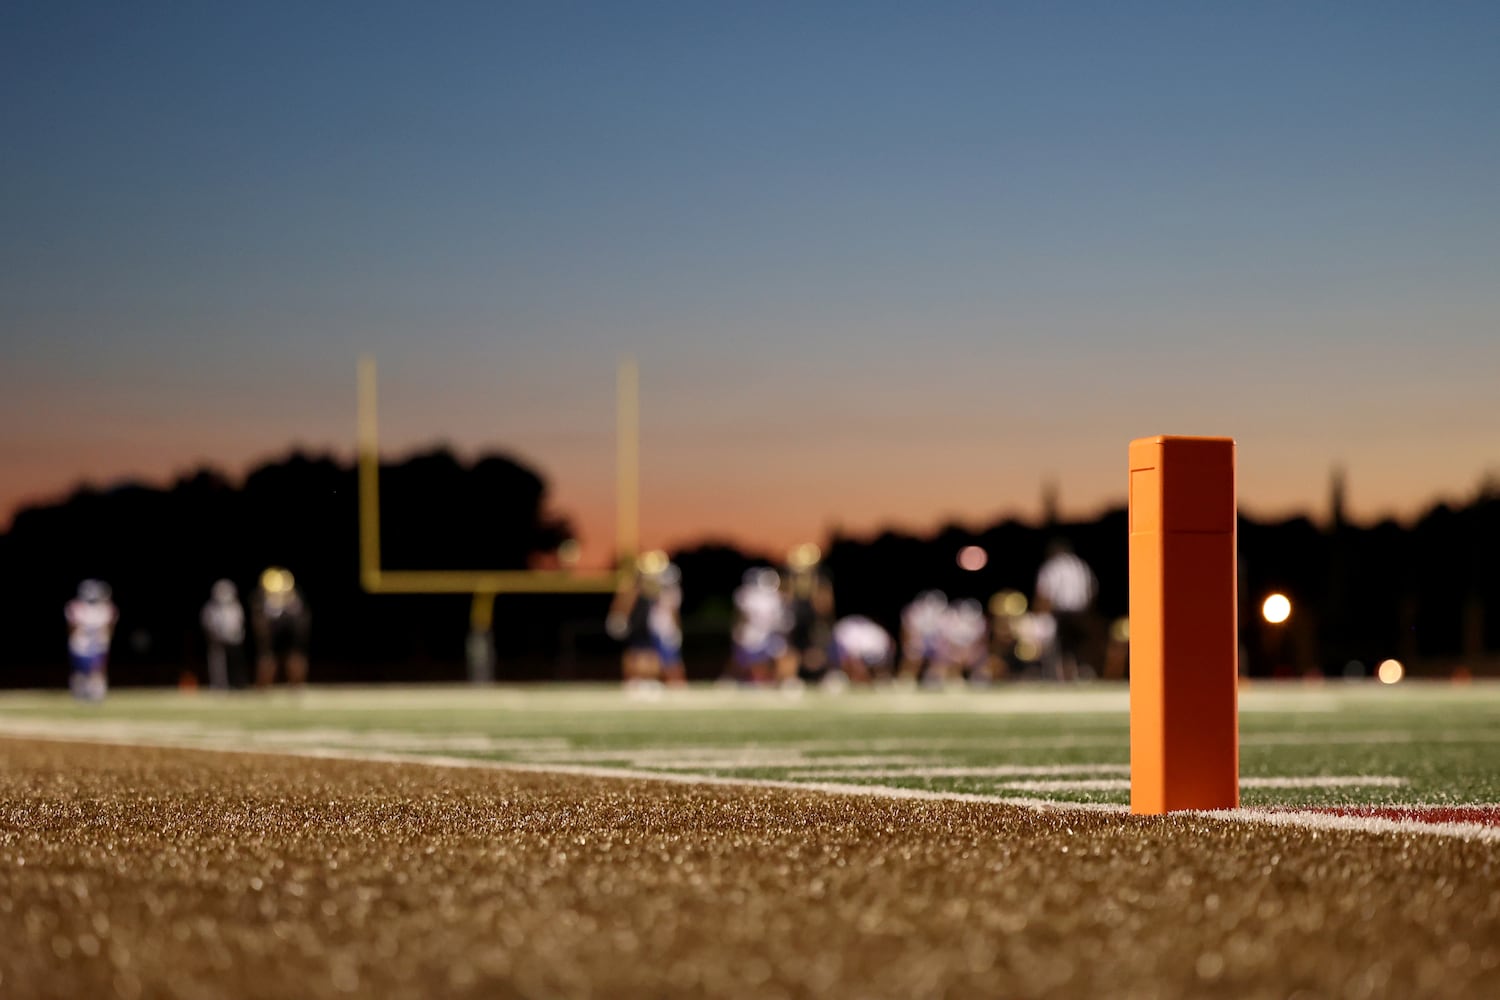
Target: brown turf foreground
{"points": [[157, 873]]}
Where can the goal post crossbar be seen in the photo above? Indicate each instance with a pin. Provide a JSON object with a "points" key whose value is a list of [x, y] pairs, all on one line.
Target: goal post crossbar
{"points": [[486, 584]]}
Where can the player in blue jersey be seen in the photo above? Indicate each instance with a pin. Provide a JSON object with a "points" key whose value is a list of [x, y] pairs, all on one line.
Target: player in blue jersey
{"points": [[91, 618]]}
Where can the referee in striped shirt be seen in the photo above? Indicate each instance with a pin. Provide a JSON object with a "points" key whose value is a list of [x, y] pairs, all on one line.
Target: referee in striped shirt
{"points": [[1065, 586]]}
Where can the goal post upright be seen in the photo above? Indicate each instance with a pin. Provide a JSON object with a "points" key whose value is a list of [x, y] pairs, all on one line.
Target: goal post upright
{"points": [[627, 464], [369, 478]]}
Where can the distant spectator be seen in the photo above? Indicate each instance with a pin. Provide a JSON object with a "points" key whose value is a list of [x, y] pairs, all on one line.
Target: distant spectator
{"points": [[281, 621], [91, 620], [1065, 588], [224, 627]]}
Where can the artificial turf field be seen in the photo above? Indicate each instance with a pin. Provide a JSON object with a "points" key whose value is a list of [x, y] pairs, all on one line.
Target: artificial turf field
{"points": [[564, 841]]}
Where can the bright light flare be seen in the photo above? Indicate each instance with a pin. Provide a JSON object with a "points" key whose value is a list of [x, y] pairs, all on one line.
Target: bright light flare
{"points": [[972, 558], [1390, 671], [1276, 609]]}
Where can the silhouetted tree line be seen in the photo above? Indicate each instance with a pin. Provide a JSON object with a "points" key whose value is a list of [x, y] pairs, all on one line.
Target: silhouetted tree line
{"points": [[162, 549], [1429, 591]]}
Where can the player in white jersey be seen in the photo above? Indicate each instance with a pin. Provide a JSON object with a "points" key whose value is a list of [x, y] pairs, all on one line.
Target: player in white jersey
{"points": [[665, 623], [760, 628], [91, 620], [862, 649], [1065, 588], [963, 644], [223, 621], [921, 628]]}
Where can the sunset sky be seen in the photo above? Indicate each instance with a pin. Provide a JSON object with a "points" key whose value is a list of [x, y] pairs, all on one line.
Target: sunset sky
{"points": [[881, 264]]}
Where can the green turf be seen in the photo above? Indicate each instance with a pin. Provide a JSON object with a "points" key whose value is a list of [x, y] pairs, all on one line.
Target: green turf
{"points": [[1440, 742]]}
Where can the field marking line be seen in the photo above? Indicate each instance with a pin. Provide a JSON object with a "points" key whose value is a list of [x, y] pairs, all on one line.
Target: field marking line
{"points": [[1309, 820], [576, 770]]}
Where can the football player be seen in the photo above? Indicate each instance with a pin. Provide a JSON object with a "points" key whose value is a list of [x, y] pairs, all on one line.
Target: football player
{"points": [[281, 620], [810, 629], [666, 626], [630, 621], [963, 645], [759, 634], [224, 627], [862, 650], [91, 618], [921, 630]]}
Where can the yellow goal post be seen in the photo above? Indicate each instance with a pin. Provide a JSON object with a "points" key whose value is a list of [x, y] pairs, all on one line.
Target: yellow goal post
{"points": [[485, 585]]}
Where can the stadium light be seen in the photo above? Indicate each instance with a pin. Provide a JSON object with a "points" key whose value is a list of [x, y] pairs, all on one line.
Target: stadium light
{"points": [[972, 558], [1390, 671], [1276, 609]]}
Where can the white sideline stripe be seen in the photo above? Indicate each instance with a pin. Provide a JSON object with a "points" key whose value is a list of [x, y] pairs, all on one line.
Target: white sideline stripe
{"points": [[993, 771], [1364, 737], [576, 770], [677, 758], [547, 748], [1327, 781], [1362, 824], [1301, 819]]}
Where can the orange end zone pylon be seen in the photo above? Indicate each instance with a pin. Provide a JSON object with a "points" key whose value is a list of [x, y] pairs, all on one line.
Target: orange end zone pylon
{"points": [[1184, 724]]}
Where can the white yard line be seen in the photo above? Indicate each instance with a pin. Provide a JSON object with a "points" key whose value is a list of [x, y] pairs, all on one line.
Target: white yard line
{"points": [[1301, 819], [1363, 824]]}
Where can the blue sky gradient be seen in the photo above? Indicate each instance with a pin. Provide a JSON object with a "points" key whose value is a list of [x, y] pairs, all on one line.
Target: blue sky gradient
{"points": [[881, 263]]}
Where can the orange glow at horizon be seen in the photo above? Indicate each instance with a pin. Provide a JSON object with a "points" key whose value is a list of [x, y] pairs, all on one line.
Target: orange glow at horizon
{"points": [[726, 460]]}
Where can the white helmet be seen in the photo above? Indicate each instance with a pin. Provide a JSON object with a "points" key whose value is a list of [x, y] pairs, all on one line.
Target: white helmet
{"points": [[762, 577], [93, 591]]}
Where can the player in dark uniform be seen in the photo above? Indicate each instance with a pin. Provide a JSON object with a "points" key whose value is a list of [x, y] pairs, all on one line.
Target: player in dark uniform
{"points": [[811, 604], [281, 620], [630, 620]]}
